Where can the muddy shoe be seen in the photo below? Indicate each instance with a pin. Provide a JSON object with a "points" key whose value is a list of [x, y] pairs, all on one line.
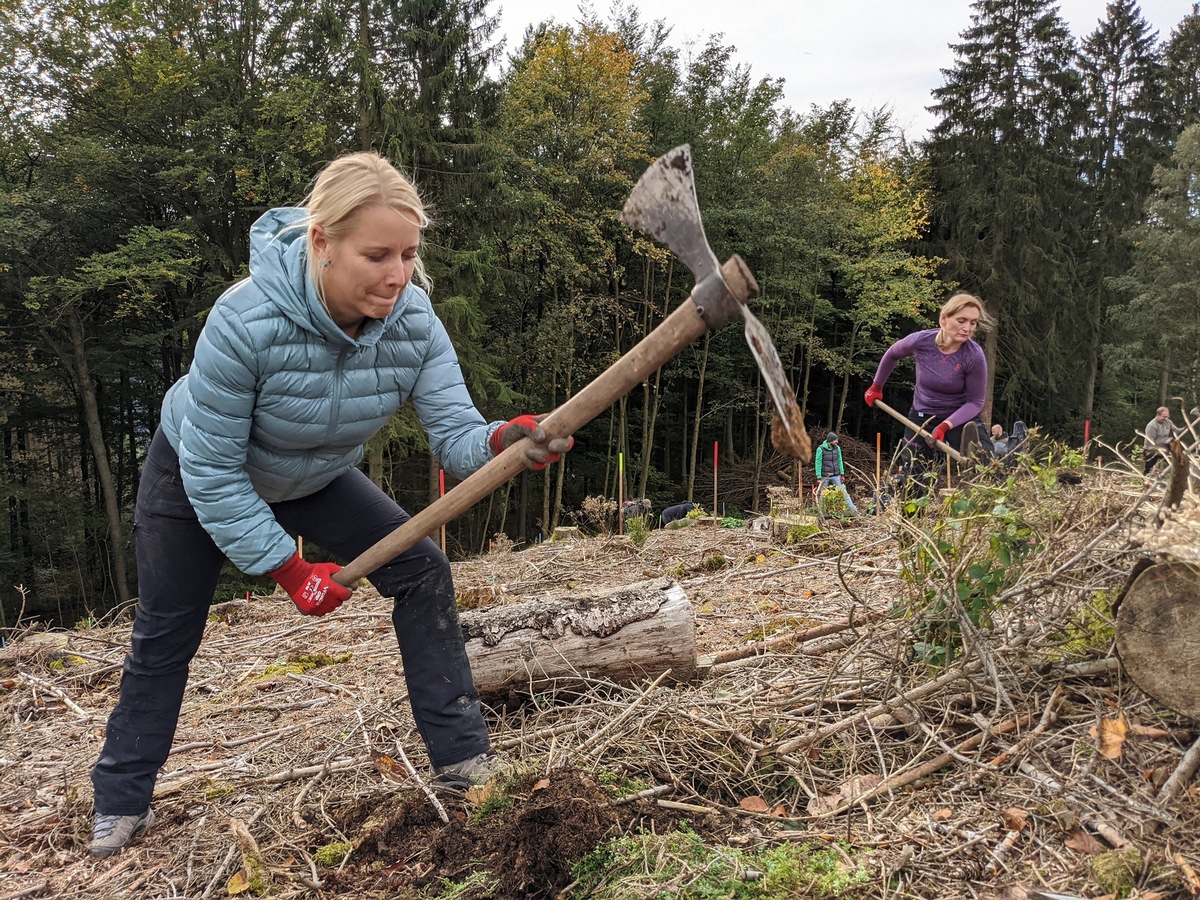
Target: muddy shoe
{"points": [[112, 834], [474, 771]]}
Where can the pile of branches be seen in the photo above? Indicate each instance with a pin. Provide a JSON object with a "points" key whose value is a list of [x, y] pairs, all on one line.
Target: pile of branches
{"points": [[936, 688]]}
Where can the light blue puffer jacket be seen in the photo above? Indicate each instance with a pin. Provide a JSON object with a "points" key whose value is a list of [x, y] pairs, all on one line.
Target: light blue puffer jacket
{"points": [[279, 401]]}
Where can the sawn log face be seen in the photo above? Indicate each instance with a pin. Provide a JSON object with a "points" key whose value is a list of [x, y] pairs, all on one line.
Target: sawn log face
{"points": [[1158, 635], [635, 632]]}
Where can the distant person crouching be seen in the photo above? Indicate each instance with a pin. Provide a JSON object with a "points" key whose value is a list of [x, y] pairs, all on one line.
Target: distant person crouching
{"points": [[676, 512]]}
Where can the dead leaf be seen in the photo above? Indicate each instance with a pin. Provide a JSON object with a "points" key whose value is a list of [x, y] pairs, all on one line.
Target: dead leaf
{"points": [[542, 784], [482, 793], [1111, 736], [1082, 842], [850, 791], [754, 804], [239, 883], [1152, 895], [388, 767], [780, 811], [1014, 818], [941, 815], [1189, 875]]}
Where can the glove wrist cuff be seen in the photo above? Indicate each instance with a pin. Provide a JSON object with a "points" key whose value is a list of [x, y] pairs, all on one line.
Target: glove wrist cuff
{"points": [[291, 573]]}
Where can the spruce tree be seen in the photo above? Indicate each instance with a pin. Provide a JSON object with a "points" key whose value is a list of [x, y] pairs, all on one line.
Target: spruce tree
{"points": [[1007, 200], [1183, 71], [1125, 134]]}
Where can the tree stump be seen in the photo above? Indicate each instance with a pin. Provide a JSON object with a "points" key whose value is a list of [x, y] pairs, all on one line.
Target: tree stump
{"points": [[1158, 635], [636, 632]]}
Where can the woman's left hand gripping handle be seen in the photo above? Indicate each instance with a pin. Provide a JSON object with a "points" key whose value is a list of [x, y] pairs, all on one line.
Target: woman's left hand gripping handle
{"points": [[311, 585]]}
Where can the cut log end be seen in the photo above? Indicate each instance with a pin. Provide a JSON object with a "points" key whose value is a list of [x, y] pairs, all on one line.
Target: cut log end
{"points": [[1158, 635]]}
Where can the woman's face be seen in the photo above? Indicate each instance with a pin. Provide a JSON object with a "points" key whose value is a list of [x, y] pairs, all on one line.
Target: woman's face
{"points": [[364, 272], [959, 327]]}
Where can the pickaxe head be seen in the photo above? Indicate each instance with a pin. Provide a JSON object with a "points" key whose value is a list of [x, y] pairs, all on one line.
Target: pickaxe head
{"points": [[663, 204]]}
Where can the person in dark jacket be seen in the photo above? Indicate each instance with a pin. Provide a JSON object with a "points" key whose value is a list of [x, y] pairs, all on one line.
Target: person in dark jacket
{"points": [[675, 513], [831, 471], [296, 367], [951, 379]]}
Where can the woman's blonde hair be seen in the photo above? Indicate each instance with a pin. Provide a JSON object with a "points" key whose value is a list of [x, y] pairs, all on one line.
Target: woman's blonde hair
{"points": [[956, 304], [348, 184]]}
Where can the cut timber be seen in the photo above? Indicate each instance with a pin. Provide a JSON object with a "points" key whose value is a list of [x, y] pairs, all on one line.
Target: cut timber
{"points": [[636, 632], [1158, 635]]}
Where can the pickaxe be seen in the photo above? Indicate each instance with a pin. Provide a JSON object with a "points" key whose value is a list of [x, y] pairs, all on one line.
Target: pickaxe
{"points": [[663, 204], [917, 429]]}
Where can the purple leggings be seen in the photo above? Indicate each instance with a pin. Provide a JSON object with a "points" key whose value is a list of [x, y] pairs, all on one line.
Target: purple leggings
{"points": [[178, 567]]}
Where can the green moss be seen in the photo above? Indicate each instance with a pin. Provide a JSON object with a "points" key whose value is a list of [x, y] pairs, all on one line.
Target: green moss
{"points": [[716, 562], [333, 854], [305, 662], [617, 869], [799, 533], [1091, 631], [1117, 871]]}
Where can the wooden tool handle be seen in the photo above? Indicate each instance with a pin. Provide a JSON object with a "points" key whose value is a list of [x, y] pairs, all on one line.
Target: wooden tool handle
{"points": [[675, 332], [941, 445]]}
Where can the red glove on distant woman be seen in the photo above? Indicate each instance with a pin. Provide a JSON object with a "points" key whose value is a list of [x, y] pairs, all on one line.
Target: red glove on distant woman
{"points": [[939, 433], [539, 452], [874, 392], [311, 585]]}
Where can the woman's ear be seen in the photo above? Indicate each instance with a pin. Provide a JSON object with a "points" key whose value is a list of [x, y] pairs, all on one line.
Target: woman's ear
{"points": [[318, 239]]}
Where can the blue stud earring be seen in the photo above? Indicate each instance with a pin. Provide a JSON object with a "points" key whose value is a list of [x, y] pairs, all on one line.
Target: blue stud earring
{"points": [[327, 264]]}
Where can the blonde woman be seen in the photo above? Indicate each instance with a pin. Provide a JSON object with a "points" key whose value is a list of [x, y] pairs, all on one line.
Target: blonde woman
{"points": [[951, 375], [297, 366]]}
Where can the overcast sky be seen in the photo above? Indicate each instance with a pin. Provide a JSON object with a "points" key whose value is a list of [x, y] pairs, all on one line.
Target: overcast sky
{"points": [[870, 52]]}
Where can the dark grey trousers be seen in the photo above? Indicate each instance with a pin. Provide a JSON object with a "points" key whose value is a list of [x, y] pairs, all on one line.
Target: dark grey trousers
{"points": [[178, 567]]}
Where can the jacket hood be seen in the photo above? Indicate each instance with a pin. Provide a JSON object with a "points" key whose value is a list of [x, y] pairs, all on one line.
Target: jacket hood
{"points": [[279, 269]]}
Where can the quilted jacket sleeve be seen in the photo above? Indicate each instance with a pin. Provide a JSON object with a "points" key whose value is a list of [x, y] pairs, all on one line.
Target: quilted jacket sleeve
{"points": [[222, 388], [457, 431]]}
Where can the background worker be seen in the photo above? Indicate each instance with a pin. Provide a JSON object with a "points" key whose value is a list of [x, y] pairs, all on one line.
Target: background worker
{"points": [[999, 439], [296, 367], [1159, 433], [831, 471], [951, 378]]}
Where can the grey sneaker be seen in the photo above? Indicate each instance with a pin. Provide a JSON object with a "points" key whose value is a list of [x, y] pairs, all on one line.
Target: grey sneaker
{"points": [[475, 771], [111, 834]]}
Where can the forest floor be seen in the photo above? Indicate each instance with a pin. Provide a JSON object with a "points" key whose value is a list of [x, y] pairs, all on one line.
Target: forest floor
{"points": [[820, 753]]}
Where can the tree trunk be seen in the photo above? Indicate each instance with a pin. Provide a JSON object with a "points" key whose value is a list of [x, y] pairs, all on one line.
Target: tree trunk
{"points": [[91, 414], [989, 355], [631, 634]]}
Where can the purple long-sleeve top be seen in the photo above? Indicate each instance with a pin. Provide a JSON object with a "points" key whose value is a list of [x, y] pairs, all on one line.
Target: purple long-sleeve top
{"points": [[949, 385]]}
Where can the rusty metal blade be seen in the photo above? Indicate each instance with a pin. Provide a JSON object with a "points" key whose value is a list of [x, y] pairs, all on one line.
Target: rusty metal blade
{"points": [[794, 441], [663, 204]]}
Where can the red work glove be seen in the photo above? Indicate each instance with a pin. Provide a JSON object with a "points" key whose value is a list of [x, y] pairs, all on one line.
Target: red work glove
{"points": [[939, 433], [539, 453], [874, 392], [311, 585]]}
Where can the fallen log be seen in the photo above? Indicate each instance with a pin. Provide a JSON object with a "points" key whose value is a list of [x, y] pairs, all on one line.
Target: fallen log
{"points": [[1158, 635], [636, 632]]}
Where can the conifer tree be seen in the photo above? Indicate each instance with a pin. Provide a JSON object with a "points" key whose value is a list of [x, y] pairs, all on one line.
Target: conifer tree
{"points": [[1183, 71], [1007, 201], [1125, 134]]}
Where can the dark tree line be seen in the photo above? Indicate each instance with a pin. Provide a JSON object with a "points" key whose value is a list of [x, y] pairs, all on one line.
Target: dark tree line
{"points": [[139, 142]]}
